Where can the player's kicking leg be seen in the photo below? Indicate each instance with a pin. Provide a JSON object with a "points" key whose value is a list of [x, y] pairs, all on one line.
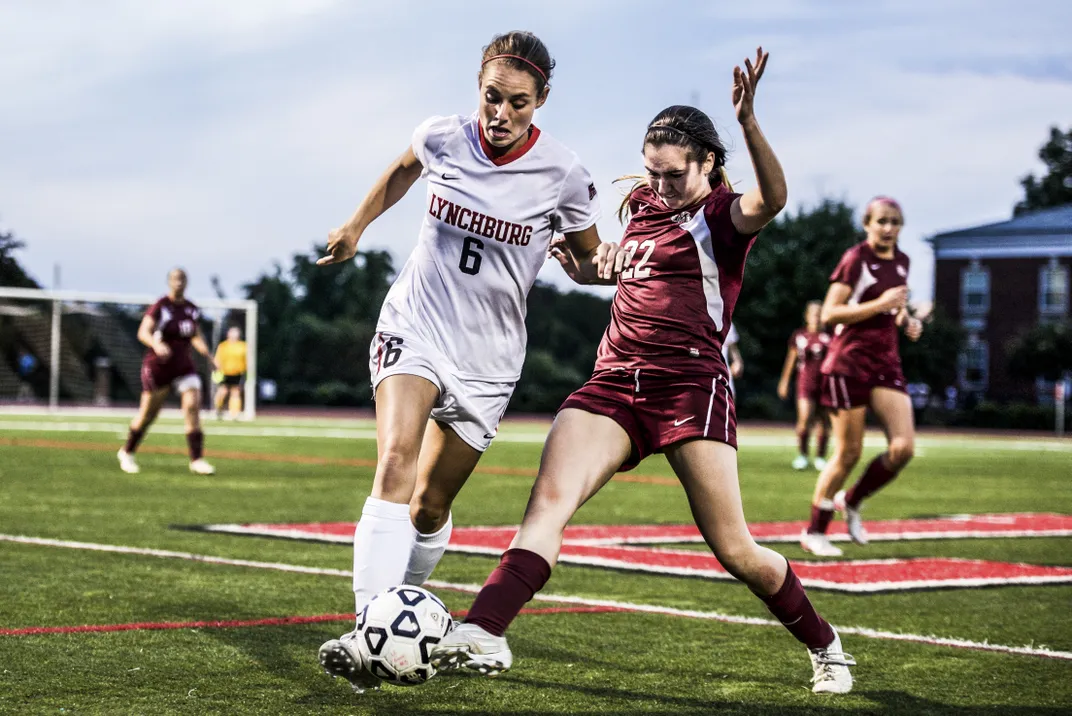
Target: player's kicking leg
{"points": [[582, 453]]}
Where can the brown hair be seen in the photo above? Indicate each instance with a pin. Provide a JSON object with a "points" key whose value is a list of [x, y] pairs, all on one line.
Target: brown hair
{"points": [[691, 129], [522, 51]]}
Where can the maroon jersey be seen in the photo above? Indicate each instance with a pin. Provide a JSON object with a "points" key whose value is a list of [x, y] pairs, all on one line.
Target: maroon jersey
{"points": [[176, 324], [811, 350], [867, 350], [675, 299]]}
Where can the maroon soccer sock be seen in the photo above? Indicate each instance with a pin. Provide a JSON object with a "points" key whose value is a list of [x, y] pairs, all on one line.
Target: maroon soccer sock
{"points": [[874, 479], [802, 441], [196, 442], [518, 577], [791, 606], [821, 515], [133, 438], [821, 441]]}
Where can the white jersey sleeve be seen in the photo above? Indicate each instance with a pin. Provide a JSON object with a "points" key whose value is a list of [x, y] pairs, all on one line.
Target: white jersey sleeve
{"points": [[578, 207], [429, 137]]}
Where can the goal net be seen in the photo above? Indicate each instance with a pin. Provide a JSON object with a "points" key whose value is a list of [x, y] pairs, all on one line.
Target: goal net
{"points": [[66, 349]]}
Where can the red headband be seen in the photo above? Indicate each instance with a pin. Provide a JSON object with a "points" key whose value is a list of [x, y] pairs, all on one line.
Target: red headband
{"points": [[530, 63]]}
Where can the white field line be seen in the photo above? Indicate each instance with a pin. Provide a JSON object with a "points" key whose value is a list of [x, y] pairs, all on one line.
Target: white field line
{"points": [[344, 433], [555, 598]]}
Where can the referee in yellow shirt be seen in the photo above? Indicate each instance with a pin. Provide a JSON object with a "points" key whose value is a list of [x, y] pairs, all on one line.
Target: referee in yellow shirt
{"points": [[231, 359]]}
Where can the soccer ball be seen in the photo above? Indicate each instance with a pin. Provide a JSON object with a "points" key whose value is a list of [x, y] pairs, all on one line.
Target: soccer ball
{"points": [[397, 630]]}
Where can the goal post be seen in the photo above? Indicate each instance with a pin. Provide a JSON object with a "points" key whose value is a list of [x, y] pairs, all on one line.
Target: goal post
{"points": [[83, 339]]}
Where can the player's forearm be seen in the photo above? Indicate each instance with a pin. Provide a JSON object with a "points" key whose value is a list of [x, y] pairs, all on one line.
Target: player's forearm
{"points": [[848, 314], [145, 337], [385, 193], [770, 178], [787, 369], [200, 346]]}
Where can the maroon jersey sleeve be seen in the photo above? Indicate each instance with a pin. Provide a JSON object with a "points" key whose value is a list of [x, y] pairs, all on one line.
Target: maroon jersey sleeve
{"points": [[848, 269], [720, 220], [153, 311]]}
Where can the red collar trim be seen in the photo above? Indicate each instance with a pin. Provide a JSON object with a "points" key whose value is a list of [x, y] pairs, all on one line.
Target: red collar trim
{"points": [[489, 151]]}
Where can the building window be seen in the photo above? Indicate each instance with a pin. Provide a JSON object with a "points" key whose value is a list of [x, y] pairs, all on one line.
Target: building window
{"points": [[975, 290], [975, 365], [1053, 289]]}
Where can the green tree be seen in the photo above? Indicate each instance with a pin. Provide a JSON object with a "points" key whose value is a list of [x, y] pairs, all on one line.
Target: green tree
{"points": [[933, 358], [11, 272], [1055, 188], [316, 324], [1045, 350]]}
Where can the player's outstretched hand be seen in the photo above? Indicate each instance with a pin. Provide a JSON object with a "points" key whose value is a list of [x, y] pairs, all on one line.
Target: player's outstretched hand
{"points": [[744, 85], [342, 245], [559, 250]]}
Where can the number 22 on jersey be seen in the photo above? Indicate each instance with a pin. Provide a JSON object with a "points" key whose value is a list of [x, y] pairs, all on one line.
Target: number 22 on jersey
{"points": [[641, 270]]}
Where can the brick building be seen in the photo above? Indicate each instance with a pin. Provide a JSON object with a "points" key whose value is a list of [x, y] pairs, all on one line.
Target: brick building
{"points": [[999, 280]]}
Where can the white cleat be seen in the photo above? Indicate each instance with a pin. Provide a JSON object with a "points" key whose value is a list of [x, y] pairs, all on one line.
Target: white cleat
{"points": [[471, 647], [201, 467], [127, 463], [800, 462], [818, 544], [819, 463], [853, 521], [342, 660], [830, 669]]}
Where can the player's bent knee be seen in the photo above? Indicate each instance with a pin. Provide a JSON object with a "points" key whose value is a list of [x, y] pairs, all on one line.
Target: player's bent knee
{"points": [[396, 474], [847, 457], [428, 516], [740, 558], [901, 451]]}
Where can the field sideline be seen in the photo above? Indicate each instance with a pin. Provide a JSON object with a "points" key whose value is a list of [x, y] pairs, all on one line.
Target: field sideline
{"points": [[114, 611]]}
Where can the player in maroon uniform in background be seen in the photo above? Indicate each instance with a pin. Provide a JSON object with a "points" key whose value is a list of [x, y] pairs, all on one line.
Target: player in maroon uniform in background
{"points": [[867, 302], [661, 385], [168, 329], [807, 348]]}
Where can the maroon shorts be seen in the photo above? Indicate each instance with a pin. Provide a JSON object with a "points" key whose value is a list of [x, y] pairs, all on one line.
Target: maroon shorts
{"points": [[809, 386], [659, 410], [840, 392], [157, 374]]}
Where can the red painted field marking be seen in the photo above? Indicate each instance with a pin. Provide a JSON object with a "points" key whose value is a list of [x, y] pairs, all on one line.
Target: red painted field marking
{"points": [[626, 547], [272, 621]]}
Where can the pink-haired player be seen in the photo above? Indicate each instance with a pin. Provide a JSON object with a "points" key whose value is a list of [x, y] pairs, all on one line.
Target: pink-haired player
{"points": [[867, 304]]}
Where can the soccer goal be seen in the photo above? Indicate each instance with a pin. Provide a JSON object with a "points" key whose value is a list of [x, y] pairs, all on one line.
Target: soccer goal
{"points": [[67, 349]]}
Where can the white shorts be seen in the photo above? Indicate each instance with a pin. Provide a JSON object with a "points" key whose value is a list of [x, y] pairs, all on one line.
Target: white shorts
{"points": [[472, 408]]}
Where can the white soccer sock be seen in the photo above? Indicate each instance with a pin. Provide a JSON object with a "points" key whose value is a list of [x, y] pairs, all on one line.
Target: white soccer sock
{"points": [[383, 540], [426, 553]]}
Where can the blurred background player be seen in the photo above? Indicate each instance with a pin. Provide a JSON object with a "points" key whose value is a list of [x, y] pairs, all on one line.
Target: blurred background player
{"points": [[231, 367], [807, 348], [731, 353], [660, 384], [867, 303], [169, 329], [451, 338]]}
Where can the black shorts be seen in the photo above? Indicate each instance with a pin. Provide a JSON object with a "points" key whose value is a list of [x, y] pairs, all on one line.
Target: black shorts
{"points": [[232, 380]]}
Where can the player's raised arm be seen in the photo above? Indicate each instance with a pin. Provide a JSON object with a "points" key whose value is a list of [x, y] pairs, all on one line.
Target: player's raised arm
{"points": [[755, 209], [385, 193]]}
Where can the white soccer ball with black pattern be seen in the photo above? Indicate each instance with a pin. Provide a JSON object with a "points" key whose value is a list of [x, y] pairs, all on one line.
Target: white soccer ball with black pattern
{"points": [[398, 629]]}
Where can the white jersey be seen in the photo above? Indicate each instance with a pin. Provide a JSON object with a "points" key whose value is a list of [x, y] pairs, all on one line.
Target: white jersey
{"points": [[487, 226]]}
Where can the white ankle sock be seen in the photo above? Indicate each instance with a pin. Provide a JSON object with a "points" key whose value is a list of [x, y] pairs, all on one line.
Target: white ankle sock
{"points": [[426, 553], [383, 541]]}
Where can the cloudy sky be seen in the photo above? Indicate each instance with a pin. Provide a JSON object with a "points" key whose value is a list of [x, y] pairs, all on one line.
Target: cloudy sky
{"points": [[224, 136]]}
